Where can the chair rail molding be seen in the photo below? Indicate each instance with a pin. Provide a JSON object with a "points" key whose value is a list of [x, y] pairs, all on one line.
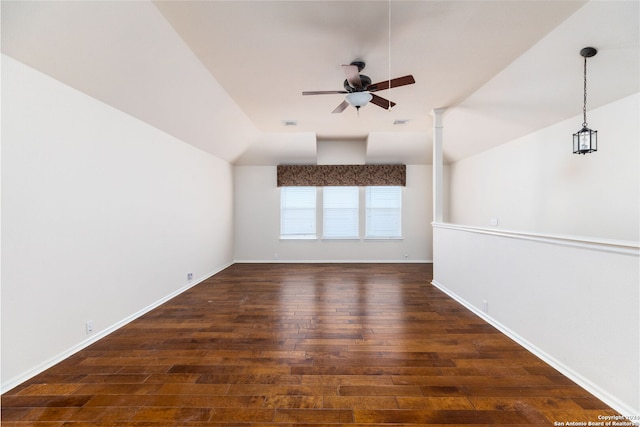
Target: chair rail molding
{"points": [[605, 245]]}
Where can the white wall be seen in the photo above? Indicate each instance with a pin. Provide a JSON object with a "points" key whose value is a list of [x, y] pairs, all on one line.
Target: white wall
{"points": [[257, 226], [561, 271], [535, 183], [144, 69], [103, 216], [341, 152], [574, 303]]}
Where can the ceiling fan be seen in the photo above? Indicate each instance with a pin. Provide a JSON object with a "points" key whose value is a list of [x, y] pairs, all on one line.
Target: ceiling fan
{"points": [[358, 88]]}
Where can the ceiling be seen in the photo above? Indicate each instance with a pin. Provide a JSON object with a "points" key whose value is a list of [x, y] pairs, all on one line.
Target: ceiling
{"points": [[225, 75]]}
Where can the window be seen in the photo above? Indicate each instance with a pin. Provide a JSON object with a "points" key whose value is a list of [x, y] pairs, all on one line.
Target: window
{"points": [[383, 212], [298, 212], [340, 212]]}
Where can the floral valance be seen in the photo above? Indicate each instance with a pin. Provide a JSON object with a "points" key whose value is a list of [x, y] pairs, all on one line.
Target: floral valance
{"points": [[341, 175]]}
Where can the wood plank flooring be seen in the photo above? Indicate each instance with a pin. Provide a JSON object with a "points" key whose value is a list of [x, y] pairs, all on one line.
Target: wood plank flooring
{"points": [[304, 345]]}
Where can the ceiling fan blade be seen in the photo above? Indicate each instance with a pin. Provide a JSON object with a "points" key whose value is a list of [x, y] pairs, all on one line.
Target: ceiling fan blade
{"points": [[323, 92], [381, 102], [353, 75], [386, 84], [340, 108]]}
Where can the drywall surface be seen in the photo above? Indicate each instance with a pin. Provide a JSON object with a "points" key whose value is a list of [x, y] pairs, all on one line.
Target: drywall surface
{"points": [[543, 243], [144, 68], [102, 216], [574, 302], [257, 224], [536, 184]]}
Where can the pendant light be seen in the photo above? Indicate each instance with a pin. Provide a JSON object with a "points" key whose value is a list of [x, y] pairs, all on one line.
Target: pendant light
{"points": [[585, 140]]}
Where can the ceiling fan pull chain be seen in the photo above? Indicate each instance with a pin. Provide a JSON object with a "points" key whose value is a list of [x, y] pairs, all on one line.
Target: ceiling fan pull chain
{"points": [[389, 43]]}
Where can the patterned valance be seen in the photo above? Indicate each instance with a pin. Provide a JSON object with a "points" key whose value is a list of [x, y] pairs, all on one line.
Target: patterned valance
{"points": [[340, 175]]}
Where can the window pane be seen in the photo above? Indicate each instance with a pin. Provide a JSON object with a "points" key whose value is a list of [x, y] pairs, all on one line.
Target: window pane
{"points": [[383, 212], [340, 212], [298, 211]]}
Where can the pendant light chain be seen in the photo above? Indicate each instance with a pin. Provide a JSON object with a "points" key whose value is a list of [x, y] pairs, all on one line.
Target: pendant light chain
{"points": [[584, 108]]}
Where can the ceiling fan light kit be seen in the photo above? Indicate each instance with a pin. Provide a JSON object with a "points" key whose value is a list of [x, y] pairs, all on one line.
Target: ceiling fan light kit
{"points": [[359, 99], [358, 88]]}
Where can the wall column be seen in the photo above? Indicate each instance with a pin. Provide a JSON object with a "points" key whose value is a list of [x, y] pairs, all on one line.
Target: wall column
{"points": [[438, 174]]}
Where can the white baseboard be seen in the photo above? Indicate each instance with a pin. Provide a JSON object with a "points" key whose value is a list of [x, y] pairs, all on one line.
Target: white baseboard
{"points": [[333, 261], [585, 383], [13, 382]]}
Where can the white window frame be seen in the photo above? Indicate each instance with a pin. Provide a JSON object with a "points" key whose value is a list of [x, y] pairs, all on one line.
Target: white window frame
{"points": [[379, 217], [290, 208], [341, 213]]}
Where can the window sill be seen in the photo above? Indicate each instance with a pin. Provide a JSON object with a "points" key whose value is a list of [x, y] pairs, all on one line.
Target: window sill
{"points": [[341, 238], [384, 238]]}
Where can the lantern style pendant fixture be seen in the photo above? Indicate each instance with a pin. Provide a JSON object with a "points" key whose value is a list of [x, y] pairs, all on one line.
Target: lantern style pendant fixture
{"points": [[585, 140]]}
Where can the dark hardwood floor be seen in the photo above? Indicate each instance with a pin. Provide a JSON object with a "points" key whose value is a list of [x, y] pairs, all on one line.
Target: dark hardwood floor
{"points": [[304, 344]]}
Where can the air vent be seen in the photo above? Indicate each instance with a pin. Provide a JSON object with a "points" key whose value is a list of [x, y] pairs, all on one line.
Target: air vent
{"points": [[401, 121]]}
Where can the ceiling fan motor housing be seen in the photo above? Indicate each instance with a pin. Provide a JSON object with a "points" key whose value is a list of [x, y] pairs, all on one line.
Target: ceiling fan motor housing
{"points": [[359, 64], [366, 81]]}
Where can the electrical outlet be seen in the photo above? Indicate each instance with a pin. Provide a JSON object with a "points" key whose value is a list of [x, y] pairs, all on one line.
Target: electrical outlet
{"points": [[189, 276], [485, 306], [89, 327], [406, 255]]}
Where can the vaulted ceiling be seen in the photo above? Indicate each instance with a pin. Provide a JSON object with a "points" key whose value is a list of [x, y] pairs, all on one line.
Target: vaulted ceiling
{"points": [[225, 76]]}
